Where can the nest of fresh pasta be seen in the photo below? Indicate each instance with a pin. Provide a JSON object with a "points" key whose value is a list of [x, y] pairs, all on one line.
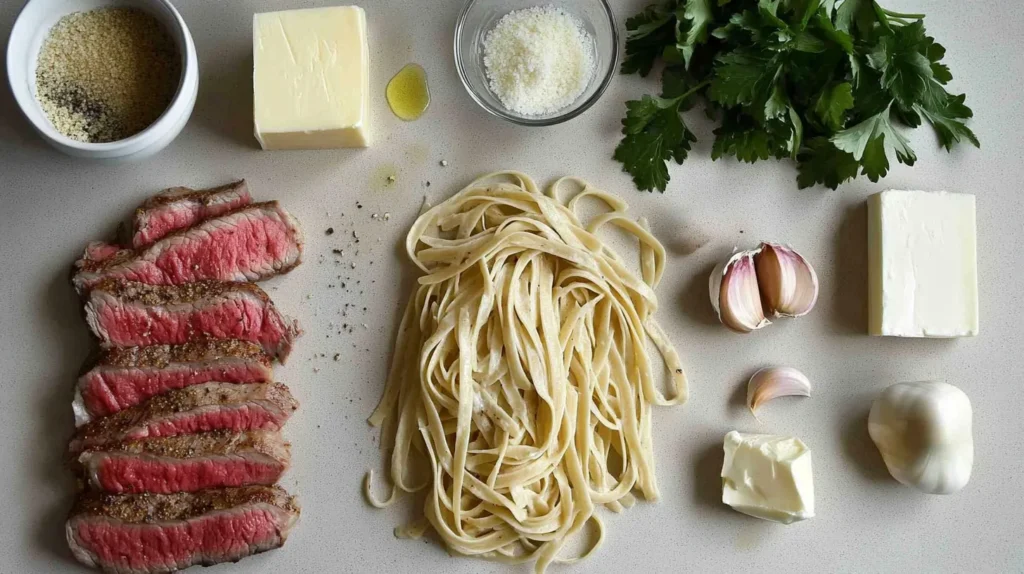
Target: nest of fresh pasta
{"points": [[521, 386]]}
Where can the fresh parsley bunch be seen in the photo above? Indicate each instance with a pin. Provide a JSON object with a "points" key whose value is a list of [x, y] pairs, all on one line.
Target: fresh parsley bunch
{"points": [[823, 82]]}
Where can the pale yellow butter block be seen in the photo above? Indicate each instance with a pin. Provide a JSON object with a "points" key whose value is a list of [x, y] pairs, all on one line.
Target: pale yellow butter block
{"points": [[311, 78], [922, 264], [768, 477]]}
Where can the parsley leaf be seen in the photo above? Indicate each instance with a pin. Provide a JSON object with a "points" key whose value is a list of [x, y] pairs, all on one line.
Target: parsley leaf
{"points": [[654, 133], [872, 141], [905, 69], [646, 35], [945, 120], [698, 17], [740, 77], [832, 105], [935, 53], [855, 15], [749, 141], [821, 162]]}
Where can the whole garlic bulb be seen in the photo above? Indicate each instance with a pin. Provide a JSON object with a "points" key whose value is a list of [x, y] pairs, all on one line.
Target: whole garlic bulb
{"points": [[923, 431]]}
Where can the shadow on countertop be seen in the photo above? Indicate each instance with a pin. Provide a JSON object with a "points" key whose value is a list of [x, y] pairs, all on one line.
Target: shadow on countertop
{"points": [[224, 103], [849, 301], [695, 301], [67, 335], [707, 477], [858, 447]]}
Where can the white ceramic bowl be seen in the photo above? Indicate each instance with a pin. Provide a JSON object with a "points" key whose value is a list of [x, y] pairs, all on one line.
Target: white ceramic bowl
{"points": [[31, 29]]}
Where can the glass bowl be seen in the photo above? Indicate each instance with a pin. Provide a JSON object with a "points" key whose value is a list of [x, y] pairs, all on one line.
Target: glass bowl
{"points": [[479, 16]]}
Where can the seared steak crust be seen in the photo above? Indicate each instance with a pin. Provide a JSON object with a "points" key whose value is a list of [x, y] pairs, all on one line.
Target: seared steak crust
{"points": [[202, 444], [153, 295], [126, 376], [198, 408], [125, 313], [163, 356], [178, 208], [185, 463], [149, 508]]}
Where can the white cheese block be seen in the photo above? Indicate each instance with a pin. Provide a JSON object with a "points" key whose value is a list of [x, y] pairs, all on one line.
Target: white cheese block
{"points": [[768, 477], [311, 84], [922, 264]]}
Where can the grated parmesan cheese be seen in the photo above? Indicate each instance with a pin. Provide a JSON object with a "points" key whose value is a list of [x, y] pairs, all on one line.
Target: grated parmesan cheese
{"points": [[538, 60]]}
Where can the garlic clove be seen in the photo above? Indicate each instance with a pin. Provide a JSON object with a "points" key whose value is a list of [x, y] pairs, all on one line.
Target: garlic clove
{"points": [[923, 431], [735, 295], [788, 283], [774, 382]]}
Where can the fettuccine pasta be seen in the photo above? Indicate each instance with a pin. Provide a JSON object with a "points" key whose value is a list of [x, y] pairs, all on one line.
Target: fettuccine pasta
{"points": [[521, 375]]}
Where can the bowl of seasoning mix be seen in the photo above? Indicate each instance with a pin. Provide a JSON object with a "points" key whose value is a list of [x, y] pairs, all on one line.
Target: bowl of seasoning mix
{"points": [[103, 79], [536, 64]]}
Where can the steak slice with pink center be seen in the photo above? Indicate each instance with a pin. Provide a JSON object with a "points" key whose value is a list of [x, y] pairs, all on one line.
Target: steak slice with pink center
{"points": [[248, 244], [199, 408], [125, 314], [185, 463], [179, 208], [156, 533], [124, 377], [97, 251]]}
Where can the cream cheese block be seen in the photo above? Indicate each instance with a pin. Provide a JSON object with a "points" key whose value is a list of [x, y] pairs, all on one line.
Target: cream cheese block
{"points": [[768, 477], [922, 264], [311, 78]]}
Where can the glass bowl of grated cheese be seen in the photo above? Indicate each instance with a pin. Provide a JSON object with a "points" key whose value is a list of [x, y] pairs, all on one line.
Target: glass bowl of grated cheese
{"points": [[536, 62]]}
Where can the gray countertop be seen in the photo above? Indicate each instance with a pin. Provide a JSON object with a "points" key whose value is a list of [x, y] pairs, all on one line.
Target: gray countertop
{"points": [[866, 522]]}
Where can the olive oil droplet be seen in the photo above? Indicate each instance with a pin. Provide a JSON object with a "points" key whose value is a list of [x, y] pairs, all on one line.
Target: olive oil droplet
{"points": [[407, 92]]}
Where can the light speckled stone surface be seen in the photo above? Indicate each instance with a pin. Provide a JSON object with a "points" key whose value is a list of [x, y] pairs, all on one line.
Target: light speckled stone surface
{"points": [[866, 522]]}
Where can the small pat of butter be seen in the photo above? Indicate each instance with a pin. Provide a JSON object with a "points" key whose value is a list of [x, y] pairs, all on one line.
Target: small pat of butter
{"points": [[768, 477], [311, 78], [922, 264]]}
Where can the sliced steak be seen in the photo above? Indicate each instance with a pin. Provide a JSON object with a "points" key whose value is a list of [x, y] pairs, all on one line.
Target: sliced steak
{"points": [[199, 408], [251, 243], [179, 208], [185, 463], [128, 314], [155, 533], [97, 251], [123, 377]]}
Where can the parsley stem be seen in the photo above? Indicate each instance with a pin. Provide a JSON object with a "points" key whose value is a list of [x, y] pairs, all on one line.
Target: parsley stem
{"points": [[692, 91], [900, 15]]}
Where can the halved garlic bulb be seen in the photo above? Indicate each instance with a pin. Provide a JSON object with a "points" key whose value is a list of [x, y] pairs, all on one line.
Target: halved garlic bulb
{"points": [[788, 283], [774, 382], [771, 280], [734, 293]]}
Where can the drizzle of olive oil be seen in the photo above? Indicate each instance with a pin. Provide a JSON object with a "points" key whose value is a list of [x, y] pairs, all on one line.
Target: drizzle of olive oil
{"points": [[407, 92]]}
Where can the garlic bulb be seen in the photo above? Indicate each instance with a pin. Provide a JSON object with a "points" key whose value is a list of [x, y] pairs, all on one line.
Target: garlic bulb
{"points": [[769, 280], [923, 431]]}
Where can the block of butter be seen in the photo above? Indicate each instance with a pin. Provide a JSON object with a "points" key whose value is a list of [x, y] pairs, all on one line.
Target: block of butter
{"points": [[922, 264], [768, 477], [311, 78]]}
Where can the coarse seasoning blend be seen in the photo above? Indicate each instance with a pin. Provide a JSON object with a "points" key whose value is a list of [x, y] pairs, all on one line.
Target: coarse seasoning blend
{"points": [[106, 74]]}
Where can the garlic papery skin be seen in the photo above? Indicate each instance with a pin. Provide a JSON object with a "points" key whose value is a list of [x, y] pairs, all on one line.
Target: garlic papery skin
{"points": [[774, 382], [788, 283], [923, 431], [734, 294]]}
